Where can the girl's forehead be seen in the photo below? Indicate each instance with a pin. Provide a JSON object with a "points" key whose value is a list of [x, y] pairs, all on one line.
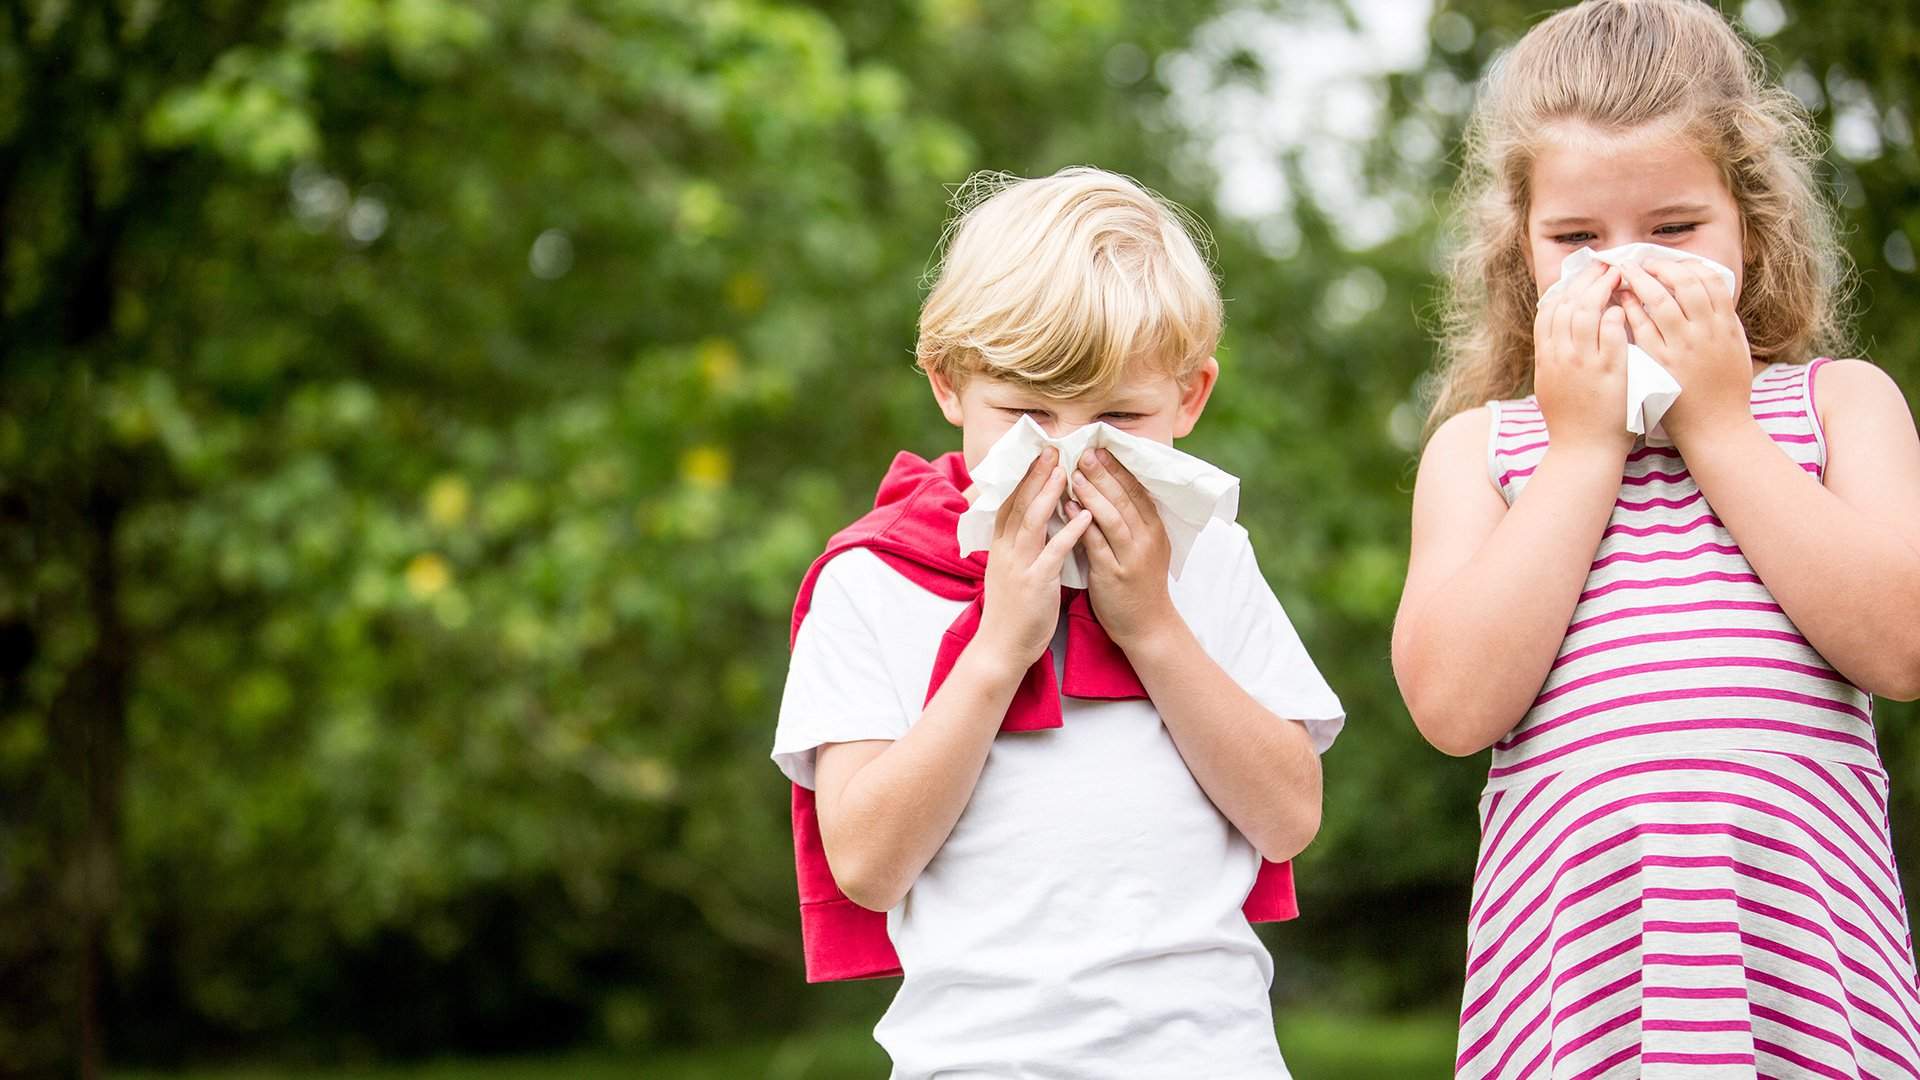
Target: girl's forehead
{"points": [[1578, 169]]}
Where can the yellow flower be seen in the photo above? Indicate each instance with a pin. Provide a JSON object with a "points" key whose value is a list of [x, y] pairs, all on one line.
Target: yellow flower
{"points": [[651, 778], [746, 291], [447, 501], [428, 573], [719, 363], [703, 209], [708, 467]]}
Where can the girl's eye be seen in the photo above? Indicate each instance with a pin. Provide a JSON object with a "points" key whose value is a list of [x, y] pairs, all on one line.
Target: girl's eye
{"points": [[1677, 229], [1574, 238]]}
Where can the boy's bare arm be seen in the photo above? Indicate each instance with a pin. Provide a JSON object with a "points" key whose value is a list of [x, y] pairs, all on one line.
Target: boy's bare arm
{"points": [[886, 807], [1261, 771]]}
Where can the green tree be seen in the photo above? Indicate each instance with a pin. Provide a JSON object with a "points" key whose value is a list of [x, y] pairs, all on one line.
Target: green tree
{"points": [[416, 416]]}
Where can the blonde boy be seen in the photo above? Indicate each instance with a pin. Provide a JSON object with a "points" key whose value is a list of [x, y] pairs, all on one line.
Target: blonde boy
{"points": [[1059, 800]]}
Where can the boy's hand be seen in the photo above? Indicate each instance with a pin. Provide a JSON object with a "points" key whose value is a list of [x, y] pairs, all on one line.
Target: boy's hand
{"points": [[1022, 602], [1683, 315], [1127, 550]]}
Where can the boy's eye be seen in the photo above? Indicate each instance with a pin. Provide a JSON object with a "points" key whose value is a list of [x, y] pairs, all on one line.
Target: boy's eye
{"points": [[1037, 414], [1123, 417], [1676, 229]]}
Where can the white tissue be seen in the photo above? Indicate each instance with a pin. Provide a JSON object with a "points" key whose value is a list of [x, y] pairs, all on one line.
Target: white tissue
{"points": [[1651, 390], [1188, 492]]}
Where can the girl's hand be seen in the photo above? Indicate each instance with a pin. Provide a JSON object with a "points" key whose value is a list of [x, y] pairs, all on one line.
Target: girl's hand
{"points": [[1683, 315], [1127, 550], [1021, 605], [1580, 363]]}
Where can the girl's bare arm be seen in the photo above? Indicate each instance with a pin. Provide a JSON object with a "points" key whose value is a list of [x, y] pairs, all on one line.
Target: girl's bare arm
{"points": [[1490, 590], [1842, 558]]}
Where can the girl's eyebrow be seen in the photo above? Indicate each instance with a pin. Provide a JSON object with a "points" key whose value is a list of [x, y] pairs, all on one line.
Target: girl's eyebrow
{"points": [[1679, 208], [1658, 211]]}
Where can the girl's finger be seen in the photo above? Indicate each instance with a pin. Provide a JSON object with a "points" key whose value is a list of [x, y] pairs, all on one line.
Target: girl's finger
{"points": [[1687, 291], [1543, 315], [1703, 285], [1644, 332], [1054, 555], [1613, 332], [1562, 316], [1719, 293], [1584, 325], [1656, 301]]}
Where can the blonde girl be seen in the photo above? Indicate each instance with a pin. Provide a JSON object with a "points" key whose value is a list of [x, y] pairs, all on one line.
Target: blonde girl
{"points": [[1670, 643]]}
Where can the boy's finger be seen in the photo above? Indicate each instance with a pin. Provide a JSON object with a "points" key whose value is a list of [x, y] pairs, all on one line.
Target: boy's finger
{"points": [[1142, 498], [1054, 555], [1037, 472], [1098, 496], [1138, 506], [1031, 532], [1100, 553], [1104, 514]]}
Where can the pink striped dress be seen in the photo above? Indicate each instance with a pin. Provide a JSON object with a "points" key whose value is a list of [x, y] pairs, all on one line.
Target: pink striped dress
{"points": [[1685, 868]]}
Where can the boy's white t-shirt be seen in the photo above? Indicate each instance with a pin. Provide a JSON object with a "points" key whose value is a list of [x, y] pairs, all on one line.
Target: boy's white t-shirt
{"points": [[1084, 917]]}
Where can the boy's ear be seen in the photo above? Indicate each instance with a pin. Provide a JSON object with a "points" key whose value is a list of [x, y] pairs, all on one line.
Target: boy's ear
{"points": [[947, 396], [1193, 397]]}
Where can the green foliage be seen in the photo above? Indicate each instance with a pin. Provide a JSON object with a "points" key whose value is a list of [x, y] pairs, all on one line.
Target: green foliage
{"points": [[417, 414], [1315, 1044]]}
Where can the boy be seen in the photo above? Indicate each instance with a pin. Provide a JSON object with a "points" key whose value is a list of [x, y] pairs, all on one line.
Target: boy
{"points": [[1061, 808]]}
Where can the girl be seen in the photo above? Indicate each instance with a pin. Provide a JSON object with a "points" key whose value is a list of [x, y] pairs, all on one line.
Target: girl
{"points": [[1671, 643]]}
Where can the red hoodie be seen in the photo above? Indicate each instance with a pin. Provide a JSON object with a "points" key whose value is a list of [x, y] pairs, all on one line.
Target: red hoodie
{"points": [[911, 528]]}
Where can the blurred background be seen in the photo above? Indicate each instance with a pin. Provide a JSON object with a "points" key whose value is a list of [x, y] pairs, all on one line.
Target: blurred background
{"points": [[416, 415]]}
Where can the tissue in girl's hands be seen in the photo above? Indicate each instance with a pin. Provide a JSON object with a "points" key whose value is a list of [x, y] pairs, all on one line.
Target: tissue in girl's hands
{"points": [[1651, 390], [1187, 491]]}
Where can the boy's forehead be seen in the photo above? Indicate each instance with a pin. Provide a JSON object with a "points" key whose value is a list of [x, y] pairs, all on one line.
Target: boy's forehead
{"points": [[1140, 385]]}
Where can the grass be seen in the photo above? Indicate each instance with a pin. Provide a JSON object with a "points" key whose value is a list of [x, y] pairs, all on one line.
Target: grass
{"points": [[1318, 1046]]}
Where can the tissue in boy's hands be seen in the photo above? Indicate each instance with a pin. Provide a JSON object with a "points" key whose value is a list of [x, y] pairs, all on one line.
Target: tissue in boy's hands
{"points": [[1187, 491], [1651, 390]]}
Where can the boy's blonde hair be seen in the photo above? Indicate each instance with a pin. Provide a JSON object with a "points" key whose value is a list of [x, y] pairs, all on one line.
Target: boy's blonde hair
{"points": [[1067, 283], [1618, 65]]}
